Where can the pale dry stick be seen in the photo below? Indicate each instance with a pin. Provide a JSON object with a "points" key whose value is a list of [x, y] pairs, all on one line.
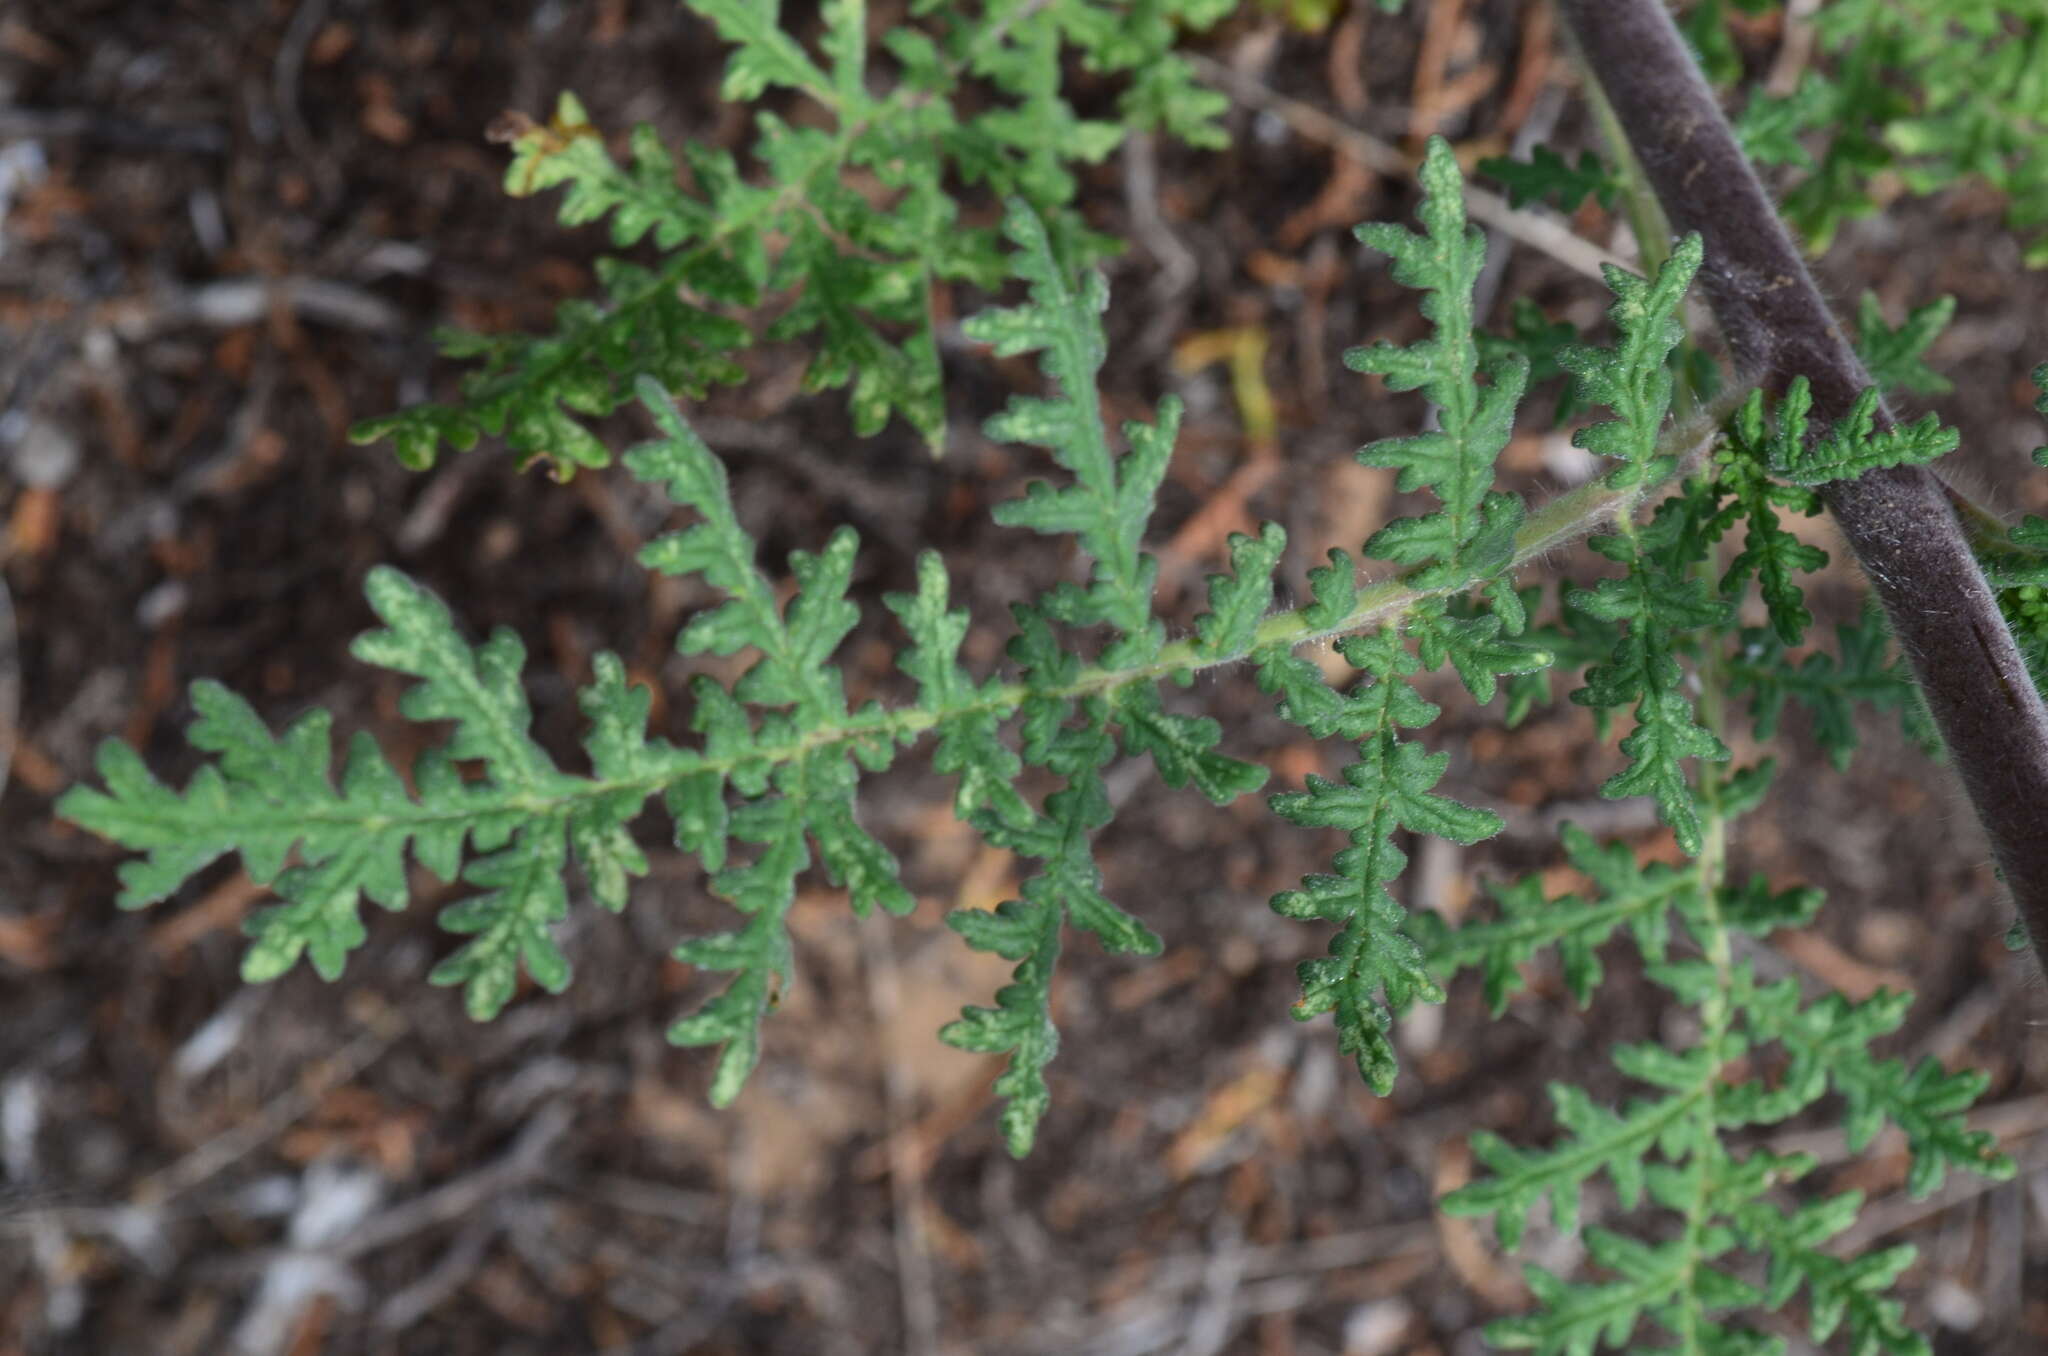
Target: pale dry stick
{"points": [[470, 1197], [228, 303], [1149, 1327], [306, 22], [1795, 53], [906, 1163], [1898, 1213], [2024, 1118], [1490, 209], [436, 504], [1178, 268], [1535, 131], [524, 1162], [137, 1226], [10, 684], [2000, 1276], [455, 1268], [277, 1115], [1153, 1321], [1216, 1314], [1898, 520], [1172, 1276], [1961, 1025]]}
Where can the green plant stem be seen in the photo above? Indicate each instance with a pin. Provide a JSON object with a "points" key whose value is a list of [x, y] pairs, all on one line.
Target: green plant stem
{"points": [[1563, 520], [1716, 1013], [1653, 233], [1897, 520], [1645, 213]]}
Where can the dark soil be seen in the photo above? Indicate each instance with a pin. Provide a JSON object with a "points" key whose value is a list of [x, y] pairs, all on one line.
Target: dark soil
{"points": [[191, 1166]]}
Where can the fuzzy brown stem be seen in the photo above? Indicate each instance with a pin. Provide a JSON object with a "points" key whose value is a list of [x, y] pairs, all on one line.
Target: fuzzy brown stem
{"points": [[1897, 521]]}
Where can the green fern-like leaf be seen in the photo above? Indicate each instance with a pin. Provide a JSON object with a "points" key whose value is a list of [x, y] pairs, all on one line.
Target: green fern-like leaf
{"points": [[2040, 380], [800, 788], [965, 716], [1972, 110], [1389, 788], [1239, 601], [1068, 728], [1633, 379], [1894, 355], [1829, 686], [1110, 501], [1596, 1140], [265, 798], [1540, 340], [667, 323], [1546, 172], [1473, 533], [1575, 638], [1021, 1022], [1375, 969], [1854, 445], [1833, 1036], [1629, 895], [1770, 554], [1847, 1292], [856, 196], [1657, 603], [858, 268]]}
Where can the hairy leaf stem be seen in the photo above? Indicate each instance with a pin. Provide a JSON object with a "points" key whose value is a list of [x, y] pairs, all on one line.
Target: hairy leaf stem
{"points": [[1898, 520], [1565, 519], [1716, 1010]]}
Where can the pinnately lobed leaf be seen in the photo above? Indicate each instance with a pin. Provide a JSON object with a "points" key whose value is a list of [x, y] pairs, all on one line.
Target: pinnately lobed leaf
{"points": [[1472, 534], [1546, 172], [769, 788], [1856, 133], [1633, 380], [976, 99], [1855, 446], [1374, 970]]}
